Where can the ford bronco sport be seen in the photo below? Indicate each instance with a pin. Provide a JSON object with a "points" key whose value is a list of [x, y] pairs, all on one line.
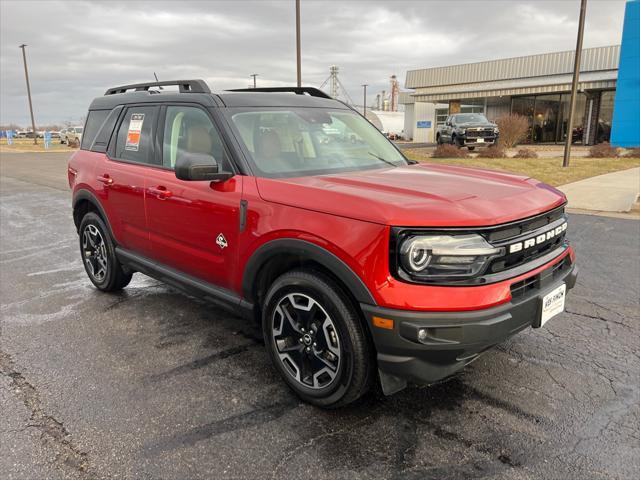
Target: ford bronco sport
{"points": [[290, 207]]}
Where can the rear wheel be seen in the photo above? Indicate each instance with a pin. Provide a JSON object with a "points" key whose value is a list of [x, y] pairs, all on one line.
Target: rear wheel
{"points": [[99, 255], [471, 149], [316, 340]]}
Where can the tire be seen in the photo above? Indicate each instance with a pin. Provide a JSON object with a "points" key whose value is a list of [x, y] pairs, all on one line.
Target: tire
{"points": [[316, 340], [98, 253], [438, 139], [471, 149]]}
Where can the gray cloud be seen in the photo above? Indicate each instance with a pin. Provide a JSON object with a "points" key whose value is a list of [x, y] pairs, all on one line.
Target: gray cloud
{"points": [[77, 49]]}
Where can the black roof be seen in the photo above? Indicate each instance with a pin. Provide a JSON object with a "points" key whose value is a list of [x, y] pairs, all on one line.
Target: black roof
{"points": [[197, 91]]}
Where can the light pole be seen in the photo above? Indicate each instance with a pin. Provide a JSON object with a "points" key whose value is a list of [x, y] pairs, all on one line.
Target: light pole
{"points": [[298, 59], [364, 103], [254, 75], [26, 76], [574, 84]]}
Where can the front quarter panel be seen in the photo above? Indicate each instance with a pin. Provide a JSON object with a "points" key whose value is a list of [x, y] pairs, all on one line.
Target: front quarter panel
{"points": [[357, 243]]}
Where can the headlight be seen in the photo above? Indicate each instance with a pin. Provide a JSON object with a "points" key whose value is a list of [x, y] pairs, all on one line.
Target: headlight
{"points": [[463, 131], [496, 130], [445, 256]]}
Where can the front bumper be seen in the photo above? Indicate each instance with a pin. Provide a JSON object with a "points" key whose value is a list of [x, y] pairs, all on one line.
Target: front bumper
{"points": [[470, 141], [457, 338]]}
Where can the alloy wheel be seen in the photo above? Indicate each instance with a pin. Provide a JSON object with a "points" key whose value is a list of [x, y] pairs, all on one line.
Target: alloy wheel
{"points": [[306, 341], [94, 252]]}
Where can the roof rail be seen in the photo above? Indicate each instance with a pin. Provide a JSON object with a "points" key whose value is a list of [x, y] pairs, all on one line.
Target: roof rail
{"points": [[311, 91], [185, 86]]}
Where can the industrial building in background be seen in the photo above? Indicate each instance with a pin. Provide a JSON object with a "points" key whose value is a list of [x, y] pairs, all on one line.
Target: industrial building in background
{"points": [[336, 89], [383, 114], [536, 86]]}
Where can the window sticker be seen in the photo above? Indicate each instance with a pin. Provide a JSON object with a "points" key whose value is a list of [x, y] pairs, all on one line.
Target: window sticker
{"points": [[133, 135]]}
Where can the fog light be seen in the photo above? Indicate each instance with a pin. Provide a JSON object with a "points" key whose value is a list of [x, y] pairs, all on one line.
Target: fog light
{"points": [[423, 334]]}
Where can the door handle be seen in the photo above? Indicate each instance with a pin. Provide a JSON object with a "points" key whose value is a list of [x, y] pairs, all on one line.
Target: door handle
{"points": [[161, 192], [106, 179]]}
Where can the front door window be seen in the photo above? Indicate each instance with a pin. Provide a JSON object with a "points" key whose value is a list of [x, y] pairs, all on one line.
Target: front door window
{"points": [[190, 130]]}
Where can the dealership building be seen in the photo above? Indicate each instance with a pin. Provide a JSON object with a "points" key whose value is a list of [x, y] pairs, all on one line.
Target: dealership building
{"points": [[536, 86]]}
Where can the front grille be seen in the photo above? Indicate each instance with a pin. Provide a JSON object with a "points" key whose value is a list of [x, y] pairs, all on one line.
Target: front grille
{"points": [[521, 231], [525, 226], [482, 133], [524, 287]]}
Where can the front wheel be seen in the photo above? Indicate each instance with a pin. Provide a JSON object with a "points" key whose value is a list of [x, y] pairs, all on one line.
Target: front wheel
{"points": [[315, 339], [99, 255], [471, 149]]}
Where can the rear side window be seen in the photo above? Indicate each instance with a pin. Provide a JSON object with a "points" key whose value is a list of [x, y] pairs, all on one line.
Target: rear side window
{"points": [[95, 119], [135, 135], [101, 141]]}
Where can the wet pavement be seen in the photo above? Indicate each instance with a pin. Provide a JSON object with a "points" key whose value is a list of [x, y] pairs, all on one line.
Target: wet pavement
{"points": [[149, 383]]}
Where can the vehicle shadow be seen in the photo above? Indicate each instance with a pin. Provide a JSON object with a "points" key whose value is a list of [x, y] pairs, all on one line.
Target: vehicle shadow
{"points": [[231, 347]]}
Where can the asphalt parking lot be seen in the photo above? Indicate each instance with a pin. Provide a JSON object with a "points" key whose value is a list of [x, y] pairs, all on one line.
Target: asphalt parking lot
{"points": [[149, 383]]}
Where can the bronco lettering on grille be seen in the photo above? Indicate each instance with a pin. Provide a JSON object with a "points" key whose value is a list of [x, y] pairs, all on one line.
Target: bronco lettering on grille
{"points": [[533, 241]]}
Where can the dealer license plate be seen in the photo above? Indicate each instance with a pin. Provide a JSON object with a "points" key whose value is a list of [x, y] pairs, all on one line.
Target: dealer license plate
{"points": [[480, 140], [553, 303]]}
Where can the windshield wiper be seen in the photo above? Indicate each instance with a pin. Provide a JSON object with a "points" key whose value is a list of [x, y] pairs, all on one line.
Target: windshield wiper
{"points": [[382, 159]]}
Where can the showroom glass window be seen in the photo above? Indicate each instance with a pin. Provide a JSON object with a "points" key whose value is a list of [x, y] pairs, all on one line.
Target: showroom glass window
{"points": [[603, 132]]}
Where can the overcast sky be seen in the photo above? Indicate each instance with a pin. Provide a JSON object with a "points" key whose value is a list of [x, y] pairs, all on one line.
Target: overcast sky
{"points": [[76, 50]]}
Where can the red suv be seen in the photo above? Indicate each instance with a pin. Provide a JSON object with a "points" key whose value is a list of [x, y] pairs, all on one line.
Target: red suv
{"points": [[292, 208]]}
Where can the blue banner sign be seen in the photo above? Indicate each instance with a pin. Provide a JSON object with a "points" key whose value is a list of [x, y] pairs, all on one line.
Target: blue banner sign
{"points": [[424, 124]]}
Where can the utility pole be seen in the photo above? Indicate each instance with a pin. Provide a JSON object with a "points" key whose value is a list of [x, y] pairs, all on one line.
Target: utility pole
{"points": [[26, 76], [254, 75], [364, 103], [574, 85], [298, 57]]}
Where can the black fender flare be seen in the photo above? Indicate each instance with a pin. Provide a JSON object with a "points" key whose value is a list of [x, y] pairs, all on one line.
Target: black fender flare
{"points": [[308, 251], [91, 198]]}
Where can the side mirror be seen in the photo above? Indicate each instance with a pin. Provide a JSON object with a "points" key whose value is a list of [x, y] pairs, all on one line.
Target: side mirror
{"points": [[198, 166]]}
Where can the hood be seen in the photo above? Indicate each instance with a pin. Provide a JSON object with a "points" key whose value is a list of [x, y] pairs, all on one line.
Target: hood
{"points": [[417, 195]]}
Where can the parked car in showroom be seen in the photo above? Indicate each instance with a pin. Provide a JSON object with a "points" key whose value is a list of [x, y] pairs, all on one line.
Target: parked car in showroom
{"points": [[469, 130], [360, 266]]}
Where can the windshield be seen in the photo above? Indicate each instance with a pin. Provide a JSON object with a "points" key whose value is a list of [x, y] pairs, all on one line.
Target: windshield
{"points": [[78, 129], [285, 142], [471, 117]]}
